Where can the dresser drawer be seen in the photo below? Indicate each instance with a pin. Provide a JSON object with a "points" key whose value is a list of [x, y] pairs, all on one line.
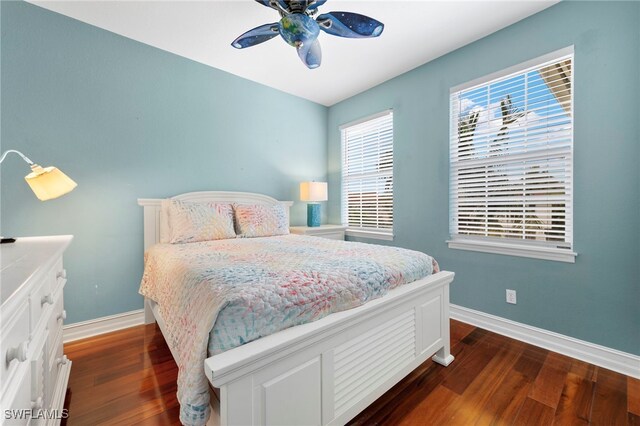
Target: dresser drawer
{"points": [[333, 235], [57, 360], [57, 377], [39, 372], [331, 232], [57, 275], [54, 327], [15, 344], [19, 408], [40, 302]]}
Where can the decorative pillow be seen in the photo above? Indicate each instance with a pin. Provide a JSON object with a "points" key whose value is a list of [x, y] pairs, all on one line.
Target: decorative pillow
{"points": [[259, 220], [191, 222]]}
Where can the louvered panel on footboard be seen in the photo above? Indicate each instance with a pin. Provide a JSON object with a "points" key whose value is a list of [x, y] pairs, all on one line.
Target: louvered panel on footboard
{"points": [[371, 359]]}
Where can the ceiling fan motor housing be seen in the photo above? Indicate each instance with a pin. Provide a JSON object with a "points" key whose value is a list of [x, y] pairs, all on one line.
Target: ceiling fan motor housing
{"points": [[298, 29]]}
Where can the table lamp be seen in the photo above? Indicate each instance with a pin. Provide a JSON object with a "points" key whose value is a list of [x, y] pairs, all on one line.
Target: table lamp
{"points": [[46, 182], [313, 191]]}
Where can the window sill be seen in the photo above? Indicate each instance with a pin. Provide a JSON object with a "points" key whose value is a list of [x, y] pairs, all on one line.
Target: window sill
{"points": [[535, 252], [368, 234]]}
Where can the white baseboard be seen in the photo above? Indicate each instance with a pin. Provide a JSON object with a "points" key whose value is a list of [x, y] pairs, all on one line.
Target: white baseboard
{"points": [[601, 356], [84, 329]]}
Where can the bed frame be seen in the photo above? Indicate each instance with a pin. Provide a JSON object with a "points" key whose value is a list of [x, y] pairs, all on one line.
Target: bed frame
{"points": [[327, 371]]}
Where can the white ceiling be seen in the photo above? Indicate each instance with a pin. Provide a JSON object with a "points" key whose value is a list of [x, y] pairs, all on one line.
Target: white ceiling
{"points": [[415, 32]]}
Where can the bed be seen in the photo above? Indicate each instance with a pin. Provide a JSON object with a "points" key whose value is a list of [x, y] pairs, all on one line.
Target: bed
{"points": [[321, 372]]}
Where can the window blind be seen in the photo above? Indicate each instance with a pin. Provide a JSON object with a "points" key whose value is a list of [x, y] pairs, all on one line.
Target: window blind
{"points": [[367, 174], [511, 157]]}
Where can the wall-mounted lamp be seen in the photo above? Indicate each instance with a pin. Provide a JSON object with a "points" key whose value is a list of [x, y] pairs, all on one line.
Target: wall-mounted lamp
{"points": [[313, 191], [46, 182]]}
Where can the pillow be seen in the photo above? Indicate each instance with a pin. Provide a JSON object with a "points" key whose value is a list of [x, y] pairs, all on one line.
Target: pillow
{"points": [[192, 222], [260, 220]]}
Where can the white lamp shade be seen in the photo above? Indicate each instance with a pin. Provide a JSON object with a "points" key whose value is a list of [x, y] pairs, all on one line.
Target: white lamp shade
{"points": [[48, 183], [313, 191]]}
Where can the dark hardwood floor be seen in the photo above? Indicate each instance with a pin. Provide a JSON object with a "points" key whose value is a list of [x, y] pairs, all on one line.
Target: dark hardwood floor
{"points": [[129, 377]]}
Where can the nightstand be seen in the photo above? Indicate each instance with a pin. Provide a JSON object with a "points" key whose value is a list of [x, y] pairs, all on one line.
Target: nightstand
{"points": [[332, 232]]}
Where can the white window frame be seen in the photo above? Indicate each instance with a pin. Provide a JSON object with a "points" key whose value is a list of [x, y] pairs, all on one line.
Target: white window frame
{"points": [[374, 233], [506, 246]]}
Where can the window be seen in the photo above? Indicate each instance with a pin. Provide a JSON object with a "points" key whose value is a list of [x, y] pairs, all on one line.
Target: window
{"points": [[511, 161], [367, 176]]}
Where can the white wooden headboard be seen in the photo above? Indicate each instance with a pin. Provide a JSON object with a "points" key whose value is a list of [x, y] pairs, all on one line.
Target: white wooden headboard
{"points": [[154, 227]]}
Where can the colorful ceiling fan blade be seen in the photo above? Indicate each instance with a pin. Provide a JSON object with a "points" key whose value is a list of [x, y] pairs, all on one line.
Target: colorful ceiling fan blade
{"points": [[313, 5], [350, 25], [311, 54], [256, 36]]}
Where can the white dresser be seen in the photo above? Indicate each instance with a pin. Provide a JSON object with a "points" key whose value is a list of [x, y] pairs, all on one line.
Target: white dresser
{"points": [[34, 371]]}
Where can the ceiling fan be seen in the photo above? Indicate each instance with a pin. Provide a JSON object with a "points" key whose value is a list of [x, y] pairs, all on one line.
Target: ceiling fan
{"points": [[300, 30]]}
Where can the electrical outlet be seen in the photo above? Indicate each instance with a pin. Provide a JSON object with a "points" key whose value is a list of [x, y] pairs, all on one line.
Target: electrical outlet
{"points": [[511, 296]]}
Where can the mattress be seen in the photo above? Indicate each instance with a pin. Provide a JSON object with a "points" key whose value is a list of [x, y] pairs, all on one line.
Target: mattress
{"points": [[217, 295]]}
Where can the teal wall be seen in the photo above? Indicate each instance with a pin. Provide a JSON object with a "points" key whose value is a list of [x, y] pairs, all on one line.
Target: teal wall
{"points": [[126, 120], [597, 298]]}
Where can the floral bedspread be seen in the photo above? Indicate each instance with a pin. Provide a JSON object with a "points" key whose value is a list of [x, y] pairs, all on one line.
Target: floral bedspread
{"points": [[253, 287]]}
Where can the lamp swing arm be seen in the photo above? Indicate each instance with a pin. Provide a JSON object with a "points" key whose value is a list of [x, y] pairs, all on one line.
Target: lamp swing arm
{"points": [[24, 157]]}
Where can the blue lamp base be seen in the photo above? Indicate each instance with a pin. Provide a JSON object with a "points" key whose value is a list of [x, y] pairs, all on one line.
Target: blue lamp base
{"points": [[313, 215]]}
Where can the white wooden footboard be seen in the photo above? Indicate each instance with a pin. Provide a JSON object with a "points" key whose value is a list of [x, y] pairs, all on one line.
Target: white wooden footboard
{"points": [[328, 371]]}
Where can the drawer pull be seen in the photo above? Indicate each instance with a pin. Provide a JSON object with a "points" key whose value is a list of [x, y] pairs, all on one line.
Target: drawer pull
{"points": [[37, 404], [19, 353], [47, 299], [62, 274], [62, 360], [62, 315]]}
